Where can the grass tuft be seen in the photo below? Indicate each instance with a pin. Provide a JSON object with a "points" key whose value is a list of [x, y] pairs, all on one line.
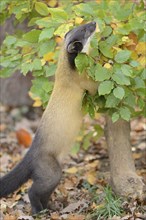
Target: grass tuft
{"points": [[107, 204]]}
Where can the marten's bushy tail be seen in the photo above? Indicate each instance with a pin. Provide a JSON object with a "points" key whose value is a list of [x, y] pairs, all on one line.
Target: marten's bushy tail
{"points": [[15, 178]]}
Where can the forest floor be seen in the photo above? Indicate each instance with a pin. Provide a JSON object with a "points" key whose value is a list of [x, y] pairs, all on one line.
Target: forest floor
{"points": [[83, 192]]}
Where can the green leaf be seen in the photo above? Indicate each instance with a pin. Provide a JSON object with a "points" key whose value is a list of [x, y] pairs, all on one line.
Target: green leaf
{"points": [[125, 113], [26, 67], [143, 74], [111, 40], [130, 100], [120, 79], [105, 87], [32, 36], [86, 142], [83, 9], [91, 110], [36, 65], [106, 49], [47, 46], [141, 103], [115, 117], [134, 63], [139, 83], [41, 86], [9, 40], [107, 31], [126, 70], [58, 14], [75, 149], [50, 70], [119, 92], [41, 8], [122, 56], [111, 101], [46, 34], [101, 73], [6, 72], [81, 62], [99, 131]]}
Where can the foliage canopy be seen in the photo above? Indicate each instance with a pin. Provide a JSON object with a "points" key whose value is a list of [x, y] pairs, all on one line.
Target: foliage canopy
{"points": [[116, 59]]}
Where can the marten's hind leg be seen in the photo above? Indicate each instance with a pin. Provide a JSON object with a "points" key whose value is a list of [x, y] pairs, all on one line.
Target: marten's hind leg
{"points": [[46, 177]]}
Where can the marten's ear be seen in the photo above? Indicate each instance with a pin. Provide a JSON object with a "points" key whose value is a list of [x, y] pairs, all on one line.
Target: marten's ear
{"points": [[75, 47]]}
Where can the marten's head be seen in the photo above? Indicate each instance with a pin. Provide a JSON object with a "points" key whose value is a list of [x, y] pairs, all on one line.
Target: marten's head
{"points": [[77, 40]]}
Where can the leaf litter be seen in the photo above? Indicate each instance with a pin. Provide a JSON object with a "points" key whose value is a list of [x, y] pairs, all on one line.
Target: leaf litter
{"points": [[73, 198]]}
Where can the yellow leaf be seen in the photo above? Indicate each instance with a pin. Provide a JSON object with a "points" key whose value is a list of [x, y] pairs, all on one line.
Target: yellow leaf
{"points": [[37, 103], [97, 28], [97, 115], [91, 177], [37, 100], [134, 55], [26, 49], [58, 40], [43, 62], [117, 49], [141, 48], [94, 164], [28, 61], [52, 3], [63, 29], [107, 66], [142, 61], [125, 39], [113, 25], [71, 170], [49, 56], [78, 20]]}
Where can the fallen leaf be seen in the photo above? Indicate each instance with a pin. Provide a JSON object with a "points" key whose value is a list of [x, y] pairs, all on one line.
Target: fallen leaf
{"points": [[76, 217], [71, 170], [17, 197], [3, 127], [74, 206], [55, 216], [25, 218], [24, 138], [10, 217], [91, 177], [137, 155]]}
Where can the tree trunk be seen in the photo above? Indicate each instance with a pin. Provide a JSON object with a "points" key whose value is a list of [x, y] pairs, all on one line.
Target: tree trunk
{"points": [[14, 90], [124, 180]]}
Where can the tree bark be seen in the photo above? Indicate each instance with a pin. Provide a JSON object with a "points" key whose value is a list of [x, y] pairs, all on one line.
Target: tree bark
{"points": [[14, 90], [124, 180]]}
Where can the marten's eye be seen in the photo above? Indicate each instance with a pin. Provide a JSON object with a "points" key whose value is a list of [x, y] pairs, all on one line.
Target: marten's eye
{"points": [[75, 47]]}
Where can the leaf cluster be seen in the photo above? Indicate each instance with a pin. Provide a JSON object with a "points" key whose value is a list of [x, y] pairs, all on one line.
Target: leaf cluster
{"points": [[116, 60]]}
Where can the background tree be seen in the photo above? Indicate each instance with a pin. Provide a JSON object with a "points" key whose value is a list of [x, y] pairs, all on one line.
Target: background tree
{"points": [[17, 83], [116, 61]]}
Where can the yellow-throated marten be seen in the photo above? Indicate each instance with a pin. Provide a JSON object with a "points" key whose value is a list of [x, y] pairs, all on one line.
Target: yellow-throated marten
{"points": [[59, 125]]}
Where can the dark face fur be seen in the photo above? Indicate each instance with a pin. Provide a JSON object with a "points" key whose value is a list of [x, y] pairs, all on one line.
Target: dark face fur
{"points": [[76, 39]]}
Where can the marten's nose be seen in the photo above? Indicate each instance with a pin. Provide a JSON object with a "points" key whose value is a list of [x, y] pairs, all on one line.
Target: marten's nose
{"points": [[92, 26]]}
